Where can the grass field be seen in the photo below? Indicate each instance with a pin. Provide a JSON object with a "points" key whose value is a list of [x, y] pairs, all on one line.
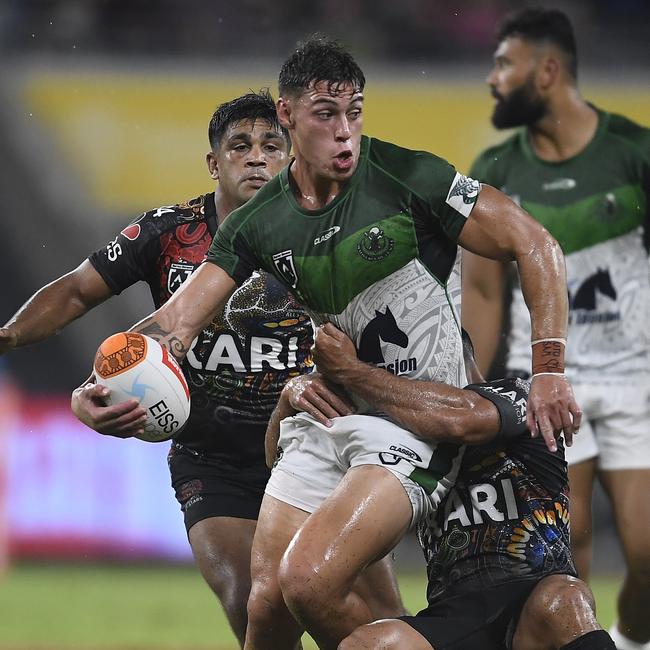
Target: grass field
{"points": [[137, 608]]}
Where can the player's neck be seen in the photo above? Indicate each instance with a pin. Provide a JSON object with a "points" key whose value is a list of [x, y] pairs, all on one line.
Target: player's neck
{"points": [[567, 128], [312, 190], [223, 205]]}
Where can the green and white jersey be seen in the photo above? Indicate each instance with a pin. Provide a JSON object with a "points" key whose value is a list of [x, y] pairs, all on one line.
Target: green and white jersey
{"points": [[380, 261], [596, 205]]}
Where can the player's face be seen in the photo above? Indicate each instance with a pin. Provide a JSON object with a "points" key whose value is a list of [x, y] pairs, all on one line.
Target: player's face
{"points": [[250, 154], [325, 128], [512, 82]]}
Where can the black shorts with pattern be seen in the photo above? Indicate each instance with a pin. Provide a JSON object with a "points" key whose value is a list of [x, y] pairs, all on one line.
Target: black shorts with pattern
{"points": [[208, 486]]}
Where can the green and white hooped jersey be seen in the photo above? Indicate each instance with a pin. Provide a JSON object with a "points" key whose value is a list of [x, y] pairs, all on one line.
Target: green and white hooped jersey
{"points": [[380, 261], [596, 205]]}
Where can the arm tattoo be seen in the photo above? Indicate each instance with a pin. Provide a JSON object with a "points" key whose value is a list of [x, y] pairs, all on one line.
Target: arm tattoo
{"points": [[154, 330]]}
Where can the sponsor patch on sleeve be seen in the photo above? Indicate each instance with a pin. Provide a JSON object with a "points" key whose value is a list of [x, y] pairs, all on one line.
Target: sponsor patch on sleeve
{"points": [[463, 194]]}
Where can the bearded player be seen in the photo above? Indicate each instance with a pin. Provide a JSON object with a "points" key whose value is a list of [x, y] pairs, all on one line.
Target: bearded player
{"points": [[554, 166]]}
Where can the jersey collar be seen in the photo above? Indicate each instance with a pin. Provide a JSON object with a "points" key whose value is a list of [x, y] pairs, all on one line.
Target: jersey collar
{"points": [[354, 179], [524, 142]]}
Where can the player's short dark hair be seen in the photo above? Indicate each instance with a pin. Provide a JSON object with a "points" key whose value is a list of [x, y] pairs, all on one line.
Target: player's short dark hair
{"points": [[539, 25], [319, 58], [251, 106]]}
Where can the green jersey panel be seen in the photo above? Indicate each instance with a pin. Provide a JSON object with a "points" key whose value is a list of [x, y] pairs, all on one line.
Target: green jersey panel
{"points": [[596, 205], [380, 260]]}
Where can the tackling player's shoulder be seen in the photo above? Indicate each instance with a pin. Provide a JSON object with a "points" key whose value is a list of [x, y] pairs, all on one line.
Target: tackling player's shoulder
{"points": [[166, 217]]}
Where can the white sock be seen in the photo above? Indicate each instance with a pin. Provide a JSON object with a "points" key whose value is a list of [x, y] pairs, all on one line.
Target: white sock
{"points": [[623, 643]]}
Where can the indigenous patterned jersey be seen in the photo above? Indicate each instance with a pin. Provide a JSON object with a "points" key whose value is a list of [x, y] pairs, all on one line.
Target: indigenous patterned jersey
{"points": [[237, 367], [597, 206], [507, 518], [380, 261]]}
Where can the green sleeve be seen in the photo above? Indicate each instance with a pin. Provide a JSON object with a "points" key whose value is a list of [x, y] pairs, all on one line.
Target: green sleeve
{"points": [[450, 196], [231, 248]]}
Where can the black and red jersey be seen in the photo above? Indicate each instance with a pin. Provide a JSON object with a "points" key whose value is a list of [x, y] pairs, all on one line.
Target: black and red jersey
{"points": [[236, 367]]}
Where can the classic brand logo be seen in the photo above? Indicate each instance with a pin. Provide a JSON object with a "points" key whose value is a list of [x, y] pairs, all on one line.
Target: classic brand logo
{"points": [[402, 450], [559, 184], [374, 245], [286, 268], [397, 454], [330, 232]]}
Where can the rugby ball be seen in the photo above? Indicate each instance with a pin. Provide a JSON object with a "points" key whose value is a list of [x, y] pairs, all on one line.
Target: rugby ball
{"points": [[133, 365]]}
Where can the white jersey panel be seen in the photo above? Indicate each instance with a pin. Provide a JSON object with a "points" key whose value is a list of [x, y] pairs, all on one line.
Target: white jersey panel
{"points": [[609, 297], [408, 323]]}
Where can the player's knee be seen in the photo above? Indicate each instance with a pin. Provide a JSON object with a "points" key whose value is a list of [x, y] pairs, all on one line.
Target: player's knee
{"points": [[262, 604], [560, 597], [305, 589], [298, 583], [559, 609]]}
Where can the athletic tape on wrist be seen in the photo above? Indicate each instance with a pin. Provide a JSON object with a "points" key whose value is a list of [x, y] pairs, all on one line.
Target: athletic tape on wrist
{"points": [[556, 374], [548, 356]]}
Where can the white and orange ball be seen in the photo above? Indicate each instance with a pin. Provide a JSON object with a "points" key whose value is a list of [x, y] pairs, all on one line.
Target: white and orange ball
{"points": [[133, 365]]}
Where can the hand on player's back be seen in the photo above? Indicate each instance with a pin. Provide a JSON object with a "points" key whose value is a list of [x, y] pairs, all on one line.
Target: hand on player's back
{"points": [[123, 420], [314, 395], [552, 409], [8, 340]]}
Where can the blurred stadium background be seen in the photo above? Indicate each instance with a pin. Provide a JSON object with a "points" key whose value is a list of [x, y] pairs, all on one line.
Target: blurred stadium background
{"points": [[104, 106]]}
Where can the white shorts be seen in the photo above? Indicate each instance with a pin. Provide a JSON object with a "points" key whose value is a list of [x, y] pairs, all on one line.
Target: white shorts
{"points": [[615, 425], [312, 459]]}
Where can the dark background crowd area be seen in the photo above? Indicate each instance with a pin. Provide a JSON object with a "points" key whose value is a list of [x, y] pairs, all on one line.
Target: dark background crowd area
{"points": [[614, 32]]}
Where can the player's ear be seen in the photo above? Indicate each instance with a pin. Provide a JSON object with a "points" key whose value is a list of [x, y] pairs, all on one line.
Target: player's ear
{"points": [[283, 108], [213, 167], [549, 71]]}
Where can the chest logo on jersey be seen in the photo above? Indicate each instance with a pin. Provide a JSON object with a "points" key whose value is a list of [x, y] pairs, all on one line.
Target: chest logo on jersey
{"points": [[384, 328], [285, 266], [375, 245], [585, 302], [327, 234], [178, 273]]}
